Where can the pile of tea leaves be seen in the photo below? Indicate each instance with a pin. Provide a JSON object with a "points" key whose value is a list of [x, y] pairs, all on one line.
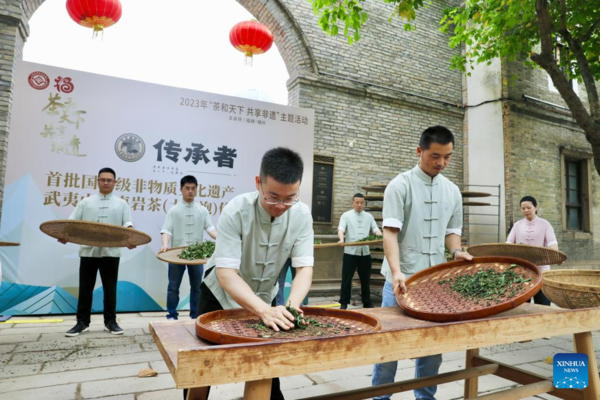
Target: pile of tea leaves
{"points": [[309, 326], [369, 238], [198, 251], [488, 285], [318, 241]]}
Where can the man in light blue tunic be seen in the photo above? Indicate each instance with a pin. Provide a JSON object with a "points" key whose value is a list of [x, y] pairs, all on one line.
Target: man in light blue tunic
{"points": [[356, 224], [422, 215], [258, 232], [185, 225], [107, 208]]}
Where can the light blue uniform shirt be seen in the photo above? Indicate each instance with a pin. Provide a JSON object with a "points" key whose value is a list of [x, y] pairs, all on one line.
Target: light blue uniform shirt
{"points": [[258, 247], [108, 209], [356, 226], [186, 223], [425, 210]]}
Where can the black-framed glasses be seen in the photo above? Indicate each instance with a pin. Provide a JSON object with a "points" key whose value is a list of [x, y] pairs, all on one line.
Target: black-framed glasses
{"points": [[273, 201]]}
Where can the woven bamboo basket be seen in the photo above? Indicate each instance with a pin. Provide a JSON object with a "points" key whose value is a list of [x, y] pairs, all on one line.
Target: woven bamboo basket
{"points": [[533, 254], [572, 288]]}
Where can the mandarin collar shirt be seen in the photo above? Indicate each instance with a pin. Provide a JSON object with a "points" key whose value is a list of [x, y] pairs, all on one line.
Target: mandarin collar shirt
{"points": [[108, 209], [356, 226], [186, 223], [258, 246], [425, 210]]}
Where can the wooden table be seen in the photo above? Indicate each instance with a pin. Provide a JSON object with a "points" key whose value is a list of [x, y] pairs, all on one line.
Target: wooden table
{"points": [[196, 364]]}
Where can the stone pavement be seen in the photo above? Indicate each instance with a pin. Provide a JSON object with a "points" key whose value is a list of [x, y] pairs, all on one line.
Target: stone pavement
{"points": [[38, 362]]}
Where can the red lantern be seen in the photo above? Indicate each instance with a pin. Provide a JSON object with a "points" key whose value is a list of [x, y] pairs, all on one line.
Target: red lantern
{"points": [[251, 37], [95, 14]]}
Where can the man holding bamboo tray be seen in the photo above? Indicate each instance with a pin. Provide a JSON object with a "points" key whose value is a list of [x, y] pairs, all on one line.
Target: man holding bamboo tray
{"points": [[422, 215], [107, 208], [185, 225]]}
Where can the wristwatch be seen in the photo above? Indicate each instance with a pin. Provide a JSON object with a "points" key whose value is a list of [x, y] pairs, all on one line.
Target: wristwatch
{"points": [[454, 253]]}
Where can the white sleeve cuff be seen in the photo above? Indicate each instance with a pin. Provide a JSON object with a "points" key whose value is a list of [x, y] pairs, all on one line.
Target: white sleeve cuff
{"points": [[128, 224], [391, 223], [233, 263], [457, 231], [341, 229], [167, 232], [212, 228], [552, 243], [306, 261]]}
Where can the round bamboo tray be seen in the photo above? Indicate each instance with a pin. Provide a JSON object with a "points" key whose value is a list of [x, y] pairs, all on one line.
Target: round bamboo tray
{"points": [[94, 234], [475, 203], [572, 288], [534, 254], [231, 326], [171, 256], [423, 293], [6, 244], [475, 194]]}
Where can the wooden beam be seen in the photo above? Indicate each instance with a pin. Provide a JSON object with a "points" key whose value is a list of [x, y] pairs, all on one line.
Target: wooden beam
{"points": [[411, 384], [198, 393], [584, 344], [471, 384], [523, 377], [520, 392], [258, 390]]}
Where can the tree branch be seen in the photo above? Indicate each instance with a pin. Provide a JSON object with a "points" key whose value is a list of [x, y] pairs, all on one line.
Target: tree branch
{"points": [[590, 32], [546, 60]]}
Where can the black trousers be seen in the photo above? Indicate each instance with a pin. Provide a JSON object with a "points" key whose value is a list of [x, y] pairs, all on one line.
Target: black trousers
{"points": [[540, 298], [351, 264], [109, 272], [209, 303]]}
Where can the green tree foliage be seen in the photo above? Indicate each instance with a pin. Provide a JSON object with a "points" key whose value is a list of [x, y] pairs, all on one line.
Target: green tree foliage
{"points": [[560, 36]]}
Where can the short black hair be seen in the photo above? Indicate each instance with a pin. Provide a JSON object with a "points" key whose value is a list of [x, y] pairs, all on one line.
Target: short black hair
{"points": [[188, 179], [435, 134], [529, 198], [109, 170], [359, 195], [283, 165]]}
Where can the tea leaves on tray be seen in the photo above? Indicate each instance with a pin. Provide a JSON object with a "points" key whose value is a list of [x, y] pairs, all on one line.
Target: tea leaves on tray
{"points": [[318, 241], [369, 238], [487, 285], [198, 251]]}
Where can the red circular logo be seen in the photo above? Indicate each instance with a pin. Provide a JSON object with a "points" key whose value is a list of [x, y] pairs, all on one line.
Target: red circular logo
{"points": [[39, 80]]}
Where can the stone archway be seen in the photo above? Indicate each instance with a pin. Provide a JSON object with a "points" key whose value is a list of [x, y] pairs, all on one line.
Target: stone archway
{"points": [[14, 28]]}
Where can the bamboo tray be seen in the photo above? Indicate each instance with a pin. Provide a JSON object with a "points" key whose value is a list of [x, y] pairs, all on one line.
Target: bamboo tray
{"points": [[95, 234], [424, 293], [6, 244], [231, 326], [533, 254], [572, 288], [172, 256], [475, 203], [475, 194], [367, 243]]}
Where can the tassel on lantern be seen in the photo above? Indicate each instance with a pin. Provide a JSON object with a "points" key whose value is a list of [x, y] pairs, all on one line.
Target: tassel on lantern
{"points": [[248, 59]]}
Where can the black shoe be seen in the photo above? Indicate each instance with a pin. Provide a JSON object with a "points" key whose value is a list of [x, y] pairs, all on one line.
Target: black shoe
{"points": [[113, 327], [80, 327], [344, 307], [368, 305]]}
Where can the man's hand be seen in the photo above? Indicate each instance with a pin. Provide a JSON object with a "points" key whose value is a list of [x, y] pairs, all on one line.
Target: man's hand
{"points": [[277, 317], [163, 249], [131, 247], [341, 241], [398, 283], [462, 255], [63, 241]]}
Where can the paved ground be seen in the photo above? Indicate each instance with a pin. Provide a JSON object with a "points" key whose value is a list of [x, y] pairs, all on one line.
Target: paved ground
{"points": [[38, 362]]}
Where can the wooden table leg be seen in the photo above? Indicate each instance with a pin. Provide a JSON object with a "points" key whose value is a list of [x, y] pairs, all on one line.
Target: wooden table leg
{"points": [[584, 344], [197, 393], [258, 390], [471, 384]]}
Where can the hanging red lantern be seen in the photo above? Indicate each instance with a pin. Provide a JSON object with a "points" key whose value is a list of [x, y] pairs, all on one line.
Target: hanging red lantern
{"points": [[95, 14], [251, 37]]}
